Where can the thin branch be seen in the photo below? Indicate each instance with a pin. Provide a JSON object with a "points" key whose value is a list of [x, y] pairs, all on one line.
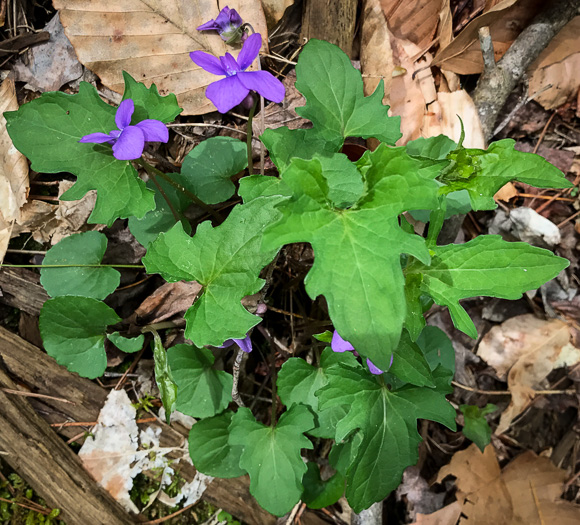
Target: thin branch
{"points": [[236, 377], [487, 51]]}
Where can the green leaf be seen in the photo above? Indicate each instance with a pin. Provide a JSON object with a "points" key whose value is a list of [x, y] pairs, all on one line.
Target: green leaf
{"points": [[128, 345], [357, 251], [476, 427], [226, 260], [437, 349], [336, 105], [432, 147], [387, 421], [73, 330], [209, 448], [409, 363], [168, 388], [482, 173], [202, 391], [487, 266], [161, 219], [297, 381], [342, 455], [81, 248], [149, 103], [207, 169], [272, 457], [255, 186], [325, 337], [48, 129], [319, 494]]}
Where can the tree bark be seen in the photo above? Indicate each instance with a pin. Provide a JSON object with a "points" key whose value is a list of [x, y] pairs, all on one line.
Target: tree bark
{"points": [[52, 469], [495, 85], [331, 20]]}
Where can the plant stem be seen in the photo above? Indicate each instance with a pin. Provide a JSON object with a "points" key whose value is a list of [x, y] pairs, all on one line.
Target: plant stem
{"points": [[179, 187], [236, 377], [249, 138], [153, 176], [139, 266]]}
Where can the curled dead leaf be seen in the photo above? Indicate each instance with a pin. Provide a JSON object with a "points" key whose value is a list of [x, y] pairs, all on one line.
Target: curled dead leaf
{"points": [[524, 350]]}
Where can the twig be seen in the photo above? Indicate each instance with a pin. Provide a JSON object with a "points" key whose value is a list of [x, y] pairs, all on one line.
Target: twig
{"points": [[236, 377], [565, 221], [130, 369], [169, 516], [41, 510], [32, 394], [543, 133], [487, 52], [93, 423], [205, 125], [537, 502], [508, 393], [293, 513], [494, 87]]}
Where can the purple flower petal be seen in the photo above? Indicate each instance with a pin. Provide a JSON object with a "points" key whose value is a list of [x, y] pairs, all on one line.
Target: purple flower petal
{"points": [[338, 344], [227, 343], [226, 93], [229, 64], [130, 144], [124, 113], [373, 369], [249, 51], [223, 18], [235, 18], [153, 130], [207, 62], [264, 83], [209, 26], [97, 138], [245, 344]]}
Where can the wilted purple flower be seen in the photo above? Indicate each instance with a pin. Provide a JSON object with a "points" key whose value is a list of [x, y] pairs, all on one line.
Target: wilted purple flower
{"points": [[228, 24], [232, 90], [128, 141], [245, 344], [338, 344]]}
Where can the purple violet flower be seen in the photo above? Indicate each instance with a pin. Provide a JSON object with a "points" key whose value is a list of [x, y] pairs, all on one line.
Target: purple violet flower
{"points": [[129, 141], [338, 344], [232, 90], [245, 344], [228, 24]]}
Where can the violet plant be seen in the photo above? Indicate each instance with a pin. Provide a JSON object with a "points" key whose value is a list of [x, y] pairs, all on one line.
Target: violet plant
{"points": [[377, 276]]}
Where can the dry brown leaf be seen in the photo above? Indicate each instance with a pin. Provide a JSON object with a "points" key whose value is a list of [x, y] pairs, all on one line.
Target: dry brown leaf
{"points": [[151, 40], [526, 492], [526, 349], [506, 193], [414, 20], [284, 114], [406, 96], [446, 516], [556, 83], [53, 222], [274, 9], [376, 56], [13, 170], [443, 119], [168, 300], [506, 20]]}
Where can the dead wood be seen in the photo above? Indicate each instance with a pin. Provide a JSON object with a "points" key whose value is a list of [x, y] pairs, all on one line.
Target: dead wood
{"points": [[496, 84], [53, 470], [21, 289], [17, 43], [37, 372], [330, 20]]}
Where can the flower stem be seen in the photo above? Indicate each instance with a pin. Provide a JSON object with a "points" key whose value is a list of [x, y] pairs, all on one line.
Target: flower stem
{"points": [[179, 187], [249, 135], [151, 173]]}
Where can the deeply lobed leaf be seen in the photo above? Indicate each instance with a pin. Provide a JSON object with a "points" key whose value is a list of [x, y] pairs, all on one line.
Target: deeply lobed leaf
{"points": [[226, 260]]}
